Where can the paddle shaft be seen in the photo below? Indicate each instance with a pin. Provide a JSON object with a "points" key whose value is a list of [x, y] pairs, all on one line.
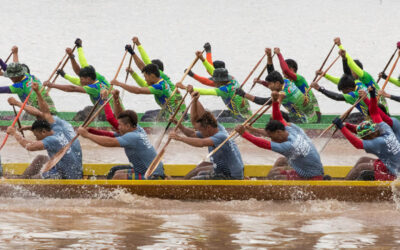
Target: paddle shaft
{"points": [[153, 165], [17, 117], [54, 71], [322, 75], [65, 63], [8, 58], [18, 121], [127, 72], [387, 65], [326, 59], [390, 74], [344, 115], [170, 120], [258, 78]]}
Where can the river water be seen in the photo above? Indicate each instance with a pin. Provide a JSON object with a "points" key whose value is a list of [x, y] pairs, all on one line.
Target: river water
{"points": [[172, 31]]}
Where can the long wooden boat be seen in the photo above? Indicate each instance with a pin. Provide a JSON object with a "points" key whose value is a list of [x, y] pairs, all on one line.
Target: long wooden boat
{"points": [[254, 188]]}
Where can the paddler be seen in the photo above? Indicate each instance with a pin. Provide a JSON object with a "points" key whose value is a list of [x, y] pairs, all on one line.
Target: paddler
{"points": [[152, 114], [22, 82], [289, 68], [136, 144], [157, 86], [89, 82], [375, 137], [227, 161], [238, 108], [52, 134], [290, 141]]}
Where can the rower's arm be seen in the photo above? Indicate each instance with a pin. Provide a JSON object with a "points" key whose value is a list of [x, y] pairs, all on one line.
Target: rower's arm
{"points": [[259, 142], [133, 89], [346, 68], [139, 63], [382, 114], [29, 145], [333, 79], [210, 68], [75, 65], [254, 130], [395, 81], [353, 66], [104, 141], [204, 80], [270, 64], [3, 65], [82, 58], [354, 140], [187, 131], [140, 81], [197, 142], [285, 68], [74, 80], [276, 113], [43, 106], [373, 108], [67, 88], [206, 91], [196, 111], [15, 54], [29, 109], [5, 90], [143, 54], [331, 94]]}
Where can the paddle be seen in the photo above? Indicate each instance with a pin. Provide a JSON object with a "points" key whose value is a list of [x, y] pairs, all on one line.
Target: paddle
{"points": [[62, 67], [18, 121], [8, 58], [322, 75], [60, 154], [170, 121], [388, 63], [17, 117], [326, 59], [153, 165], [127, 73], [234, 132], [244, 82], [176, 88], [259, 76]]}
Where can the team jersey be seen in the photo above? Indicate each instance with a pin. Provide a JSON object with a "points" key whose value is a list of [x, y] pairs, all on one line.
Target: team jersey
{"points": [[23, 88], [293, 102], [302, 84]]}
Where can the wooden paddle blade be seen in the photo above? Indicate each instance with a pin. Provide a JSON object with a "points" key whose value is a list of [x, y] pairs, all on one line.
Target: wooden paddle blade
{"points": [[58, 156], [154, 164]]}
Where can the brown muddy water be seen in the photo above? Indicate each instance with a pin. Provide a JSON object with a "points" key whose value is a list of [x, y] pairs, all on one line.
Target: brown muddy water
{"points": [[129, 221]]}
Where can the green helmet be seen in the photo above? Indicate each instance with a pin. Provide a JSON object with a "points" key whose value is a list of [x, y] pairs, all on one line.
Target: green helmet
{"points": [[366, 128]]}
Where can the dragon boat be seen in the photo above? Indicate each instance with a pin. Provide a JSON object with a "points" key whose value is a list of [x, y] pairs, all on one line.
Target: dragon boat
{"points": [[95, 185]]}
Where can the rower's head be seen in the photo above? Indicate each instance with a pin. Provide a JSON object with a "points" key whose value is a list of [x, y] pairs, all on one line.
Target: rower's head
{"points": [[16, 72], [346, 84], [41, 129], [292, 64], [275, 81], [359, 64], [276, 131], [159, 63], [219, 64], [221, 77], [367, 130], [206, 124], [151, 73], [127, 121], [87, 75]]}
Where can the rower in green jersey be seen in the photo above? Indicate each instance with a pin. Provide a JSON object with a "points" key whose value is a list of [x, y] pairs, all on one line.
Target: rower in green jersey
{"points": [[157, 87], [358, 72], [289, 69], [239, 108], [22, 86], [294, 98], [93, 89], [141, 63]]}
